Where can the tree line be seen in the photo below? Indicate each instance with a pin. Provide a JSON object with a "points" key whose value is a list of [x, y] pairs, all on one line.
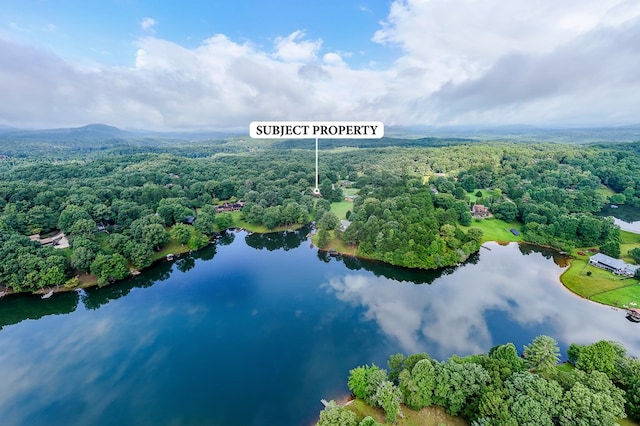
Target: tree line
{"points": [[599, 385], [119, 207]]}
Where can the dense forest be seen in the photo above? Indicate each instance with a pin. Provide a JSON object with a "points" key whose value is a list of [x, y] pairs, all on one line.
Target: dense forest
{"points": [[598, 386], [122, 203]]}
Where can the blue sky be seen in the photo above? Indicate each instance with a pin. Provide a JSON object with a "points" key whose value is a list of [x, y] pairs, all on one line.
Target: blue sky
{"points": [[167, 65], [106, 31]]}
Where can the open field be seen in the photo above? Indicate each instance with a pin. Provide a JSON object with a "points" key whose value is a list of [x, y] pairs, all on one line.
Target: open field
{"points": [[478, 200], [600, 285], [628, 241], [340, 209], [495, 229]]}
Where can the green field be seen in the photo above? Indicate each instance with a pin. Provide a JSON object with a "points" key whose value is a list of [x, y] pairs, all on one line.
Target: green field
{"points": [[478, 200], [340, 209], [599, 285], [495, 229]]}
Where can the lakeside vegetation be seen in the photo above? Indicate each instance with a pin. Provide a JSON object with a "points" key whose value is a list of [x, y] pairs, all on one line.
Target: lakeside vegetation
{"points": [[125, 203], [600, 385]]}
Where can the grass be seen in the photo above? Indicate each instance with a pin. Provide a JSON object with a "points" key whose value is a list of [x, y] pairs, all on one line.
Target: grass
{"points": [[340, 209], [628, 241], [599, 285], [428, 416], [627, 422], [478, 200], [495, 229]]}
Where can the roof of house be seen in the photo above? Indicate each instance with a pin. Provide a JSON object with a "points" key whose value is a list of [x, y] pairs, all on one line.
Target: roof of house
{"points": [[608, 260], [479, 208], [344, 224]]}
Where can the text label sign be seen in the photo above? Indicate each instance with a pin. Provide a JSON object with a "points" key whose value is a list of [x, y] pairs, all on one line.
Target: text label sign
{"points": [[316, 129]]}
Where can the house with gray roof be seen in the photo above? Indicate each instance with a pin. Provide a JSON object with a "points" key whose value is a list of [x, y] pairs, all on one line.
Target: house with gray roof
{"points": [[616, 266]]}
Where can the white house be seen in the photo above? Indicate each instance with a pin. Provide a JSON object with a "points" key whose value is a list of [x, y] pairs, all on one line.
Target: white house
{"points": [[616, 266]]}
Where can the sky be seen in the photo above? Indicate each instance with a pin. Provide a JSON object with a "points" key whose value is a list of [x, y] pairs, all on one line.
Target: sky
{"points": [[218, 65]]}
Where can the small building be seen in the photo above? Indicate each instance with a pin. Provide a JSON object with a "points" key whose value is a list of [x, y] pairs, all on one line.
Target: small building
{"points": [[617, 266], [515, 232], [479, 210], [189, 220], [344, 224], [230, 207], [350, 198]]}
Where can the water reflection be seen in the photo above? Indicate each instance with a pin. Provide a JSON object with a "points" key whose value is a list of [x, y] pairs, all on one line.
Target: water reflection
{"points": [[17, 308], [278, 240], [506, 297], [381, 269]]}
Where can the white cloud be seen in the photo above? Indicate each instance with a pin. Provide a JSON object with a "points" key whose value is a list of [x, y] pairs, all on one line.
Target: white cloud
{"points": [[294, 48], [496, 63], [147, 24]]}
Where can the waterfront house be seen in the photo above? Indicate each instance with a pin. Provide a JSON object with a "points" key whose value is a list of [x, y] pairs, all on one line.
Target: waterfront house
{"points": [[617, 266]]}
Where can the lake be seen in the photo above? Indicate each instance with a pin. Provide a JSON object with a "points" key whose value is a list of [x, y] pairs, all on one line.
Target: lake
{"points": [[626, 217], [258, 328]]}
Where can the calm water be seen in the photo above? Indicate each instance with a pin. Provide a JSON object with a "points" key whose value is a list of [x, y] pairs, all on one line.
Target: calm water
{"points": [[626, 217], [258, 329]]}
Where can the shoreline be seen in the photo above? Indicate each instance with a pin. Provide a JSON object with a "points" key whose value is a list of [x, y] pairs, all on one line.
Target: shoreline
{"points": [[91, 281]]}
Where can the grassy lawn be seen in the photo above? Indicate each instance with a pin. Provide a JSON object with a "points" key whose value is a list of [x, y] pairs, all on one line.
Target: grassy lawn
{"points": [[336, 244], [340, 209], [495, 229], [428, 416], [601, 286], [478, 200], [628, 241]]}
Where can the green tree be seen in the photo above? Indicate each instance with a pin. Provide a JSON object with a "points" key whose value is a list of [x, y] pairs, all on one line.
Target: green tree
{"points": [[109, 268], [224, 221], [533, 400], [417, 385], [603, 356], [155, 235], [456, 383], [611, 247], [335, 415], [635, 254], [542, 355], [198, 241], [181, 233], [592, 400], [364, 380], [82, 227], [323, 238], [506, 211], [82, 257], [329, 221], [140, 254], [388, 397]]}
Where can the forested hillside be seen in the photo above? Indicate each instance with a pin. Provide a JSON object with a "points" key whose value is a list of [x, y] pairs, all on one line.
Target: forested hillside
{"points": [[121, 203]]}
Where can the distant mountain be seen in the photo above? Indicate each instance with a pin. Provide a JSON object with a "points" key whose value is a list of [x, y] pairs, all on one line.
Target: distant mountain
{"points": [[526, 133], [91, 131]]}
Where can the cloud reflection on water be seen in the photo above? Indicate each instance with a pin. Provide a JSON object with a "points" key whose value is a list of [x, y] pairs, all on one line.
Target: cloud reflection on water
{"points": [[451, 315]]}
